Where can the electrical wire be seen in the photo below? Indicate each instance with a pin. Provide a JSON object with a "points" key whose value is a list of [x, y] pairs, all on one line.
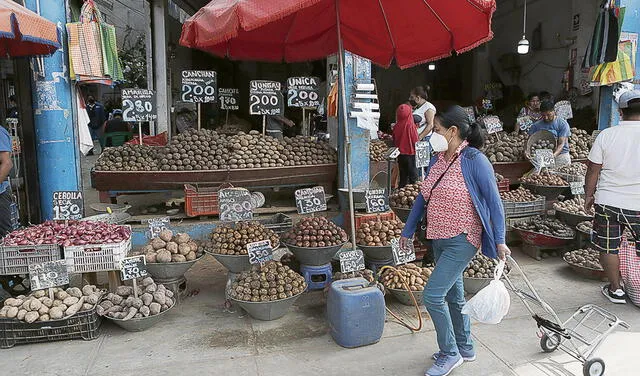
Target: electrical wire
{"points": [[413, 298]]}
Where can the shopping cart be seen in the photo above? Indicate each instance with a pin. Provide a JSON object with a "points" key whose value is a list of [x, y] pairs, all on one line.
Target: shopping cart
{"points": [[579, 336]]}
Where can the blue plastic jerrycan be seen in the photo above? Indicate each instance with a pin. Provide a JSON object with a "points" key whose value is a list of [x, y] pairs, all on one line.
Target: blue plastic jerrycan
{"points": [[356, 312]]}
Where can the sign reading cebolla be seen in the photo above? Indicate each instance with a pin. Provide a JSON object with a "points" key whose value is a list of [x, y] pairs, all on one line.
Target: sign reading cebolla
{"points": [[199, 86], [67, 205], [303, 92], [229, 98], [265, 98]]}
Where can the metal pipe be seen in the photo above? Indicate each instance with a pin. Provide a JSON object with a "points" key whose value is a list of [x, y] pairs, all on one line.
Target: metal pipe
{"points": [[345, 120]]}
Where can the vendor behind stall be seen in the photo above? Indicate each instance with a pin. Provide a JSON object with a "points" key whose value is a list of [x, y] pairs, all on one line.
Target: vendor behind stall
{"points": [[532, 107], [559, 128], [405, 136], [425, 110]]}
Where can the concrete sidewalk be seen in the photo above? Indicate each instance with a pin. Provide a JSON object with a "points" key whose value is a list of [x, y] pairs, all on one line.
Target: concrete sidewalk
{"points": [[201, 337]]}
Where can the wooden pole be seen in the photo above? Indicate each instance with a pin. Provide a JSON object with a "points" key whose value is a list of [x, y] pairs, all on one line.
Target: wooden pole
{"points": [[140, 131], [135, 289], [226, 121], [199, 115], [264, 125], [305, 128]]}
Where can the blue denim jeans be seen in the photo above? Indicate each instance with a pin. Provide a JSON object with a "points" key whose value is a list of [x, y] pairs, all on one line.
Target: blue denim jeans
{"points": [[444, 293]]}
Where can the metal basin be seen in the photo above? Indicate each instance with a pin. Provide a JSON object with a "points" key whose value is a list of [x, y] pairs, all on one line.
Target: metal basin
{"points": [[234, 263], [267, 311], [314, 256], [590, 273], [403, 214], [170, 270], [570, 218], [377, 253], [139, 325], [550, 192], [473, 285], [404, 296], [542, 240]]}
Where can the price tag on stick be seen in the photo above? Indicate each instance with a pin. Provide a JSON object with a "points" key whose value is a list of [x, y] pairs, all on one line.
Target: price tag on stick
{"points": [[229, 99], [260, 252], [351, 261], [377, 200], [156, 226], [265, 98], [198, 86], [235, 205], [543, 158], [310, 200], [48, 275], [139, 105], [68, 205], [303, 92], [493, 124], [133, 267], [423, 154], [402, 255]]}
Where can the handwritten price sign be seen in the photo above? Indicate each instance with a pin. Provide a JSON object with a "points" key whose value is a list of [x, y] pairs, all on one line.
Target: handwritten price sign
{"points": [[351, 261], [310, 200]]}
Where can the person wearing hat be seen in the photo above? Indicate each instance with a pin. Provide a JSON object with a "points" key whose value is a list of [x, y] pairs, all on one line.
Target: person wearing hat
{"points": [[116, 124], [612, 185], [560, 130]]}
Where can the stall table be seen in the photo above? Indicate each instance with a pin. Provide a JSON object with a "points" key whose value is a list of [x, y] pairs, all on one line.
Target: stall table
{"points": [[111, 183]]}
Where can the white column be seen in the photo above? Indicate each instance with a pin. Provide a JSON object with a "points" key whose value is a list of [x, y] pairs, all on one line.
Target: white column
{"points": [[158, 17]]}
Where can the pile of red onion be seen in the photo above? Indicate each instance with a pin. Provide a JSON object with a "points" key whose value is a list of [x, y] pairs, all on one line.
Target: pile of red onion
{"points": [[68, 233]]}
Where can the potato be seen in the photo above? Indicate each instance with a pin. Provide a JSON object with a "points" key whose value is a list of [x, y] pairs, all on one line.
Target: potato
{"points": [[70, 301], [124, 290], [106, 304], [169, 302], [88, 290], [151, 257], [31, 317], [154, 308], [56, 303], [115, 299], [43, 310], [72, 310], [21, 314], [39, 294], [172, 247], [144, 310], [61, 295], [184, 249], [99, 310], [191, 256], [163, 256], [159, 297], [147, 281], [193, 246], [34, 305], [11, 302], [93, 299], [3, 311], [56, 313], [12, 312], [158, 243], [166, 235], [168, 293], [87, 307], [75, 292], [44, 317], [26, 305], [182, 238], [46, 301], [178, 257], [132, 312], [151, 288]]}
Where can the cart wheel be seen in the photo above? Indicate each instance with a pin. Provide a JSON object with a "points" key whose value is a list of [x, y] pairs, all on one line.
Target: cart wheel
{"points": [[550, 343], [593, 367]]}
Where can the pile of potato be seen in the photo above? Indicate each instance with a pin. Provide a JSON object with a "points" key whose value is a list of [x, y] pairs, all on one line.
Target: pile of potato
{"points": [[542, 144], [203, 149], [129, 158], [545, 178], [505, 148], [521, 194], [39, 307], [499, 177], [269, 282], [482, 266], [168, 247], [377, 233], [404, 197], [586, 258], [415, 276], [585, 227], [378, 150], [575, 168], [366, 274], [574, 206], [315, 232], [123, 305], [546, 226], [579, 143], [227, 240]]}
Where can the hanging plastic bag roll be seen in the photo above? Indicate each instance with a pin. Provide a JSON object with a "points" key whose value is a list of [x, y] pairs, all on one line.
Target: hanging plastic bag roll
{"points": [[491, 303]]}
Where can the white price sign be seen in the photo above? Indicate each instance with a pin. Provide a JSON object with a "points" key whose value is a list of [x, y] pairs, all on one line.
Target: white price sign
{"points": [[351, 261], [544, 158], [402, 255], [260, 252], [67, 205]]}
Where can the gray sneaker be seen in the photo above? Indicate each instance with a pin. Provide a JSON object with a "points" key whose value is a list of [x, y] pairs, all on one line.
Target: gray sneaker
{"points": [[467, 355], [444, 365]]}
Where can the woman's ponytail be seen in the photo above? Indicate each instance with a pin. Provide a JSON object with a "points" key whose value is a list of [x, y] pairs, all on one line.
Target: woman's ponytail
{"points": [[475, 138]]}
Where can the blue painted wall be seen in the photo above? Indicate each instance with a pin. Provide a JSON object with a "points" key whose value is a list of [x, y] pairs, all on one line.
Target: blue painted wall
{"points": [[56, 143], [608, 111]]}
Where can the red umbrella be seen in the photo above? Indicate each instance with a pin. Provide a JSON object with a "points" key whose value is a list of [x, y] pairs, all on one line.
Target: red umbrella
{"points": [[24, 33], [410, 31]]}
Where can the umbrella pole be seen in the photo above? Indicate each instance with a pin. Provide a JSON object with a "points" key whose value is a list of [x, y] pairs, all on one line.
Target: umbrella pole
{"points": [[345, 119]]}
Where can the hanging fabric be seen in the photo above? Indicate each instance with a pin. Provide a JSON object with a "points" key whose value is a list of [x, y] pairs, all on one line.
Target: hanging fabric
{"points": [[603, 47]]}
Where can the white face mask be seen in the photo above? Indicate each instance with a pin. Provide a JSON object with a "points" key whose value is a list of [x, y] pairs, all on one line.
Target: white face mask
{"points": [[438, 142]]}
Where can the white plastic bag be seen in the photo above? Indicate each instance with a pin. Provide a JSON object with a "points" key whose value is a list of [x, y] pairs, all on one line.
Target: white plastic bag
{"points": [[491, 303]]}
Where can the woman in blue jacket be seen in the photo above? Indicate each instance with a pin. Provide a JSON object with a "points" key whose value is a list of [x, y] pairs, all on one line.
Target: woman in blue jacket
{"points": [[464, 213]]}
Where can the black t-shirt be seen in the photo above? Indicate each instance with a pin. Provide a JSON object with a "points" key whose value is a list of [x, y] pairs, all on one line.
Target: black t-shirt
{"points": [[116, 125]]}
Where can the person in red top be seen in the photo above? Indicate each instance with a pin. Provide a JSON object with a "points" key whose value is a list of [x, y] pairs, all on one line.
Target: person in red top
{"points": [[405, 136]]}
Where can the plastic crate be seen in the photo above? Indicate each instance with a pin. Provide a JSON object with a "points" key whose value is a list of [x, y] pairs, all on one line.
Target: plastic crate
{"points": [[523, 209], [16, 259], [83, 325], [202, 200], [504, 185], [279, 223], [96, 257]]}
